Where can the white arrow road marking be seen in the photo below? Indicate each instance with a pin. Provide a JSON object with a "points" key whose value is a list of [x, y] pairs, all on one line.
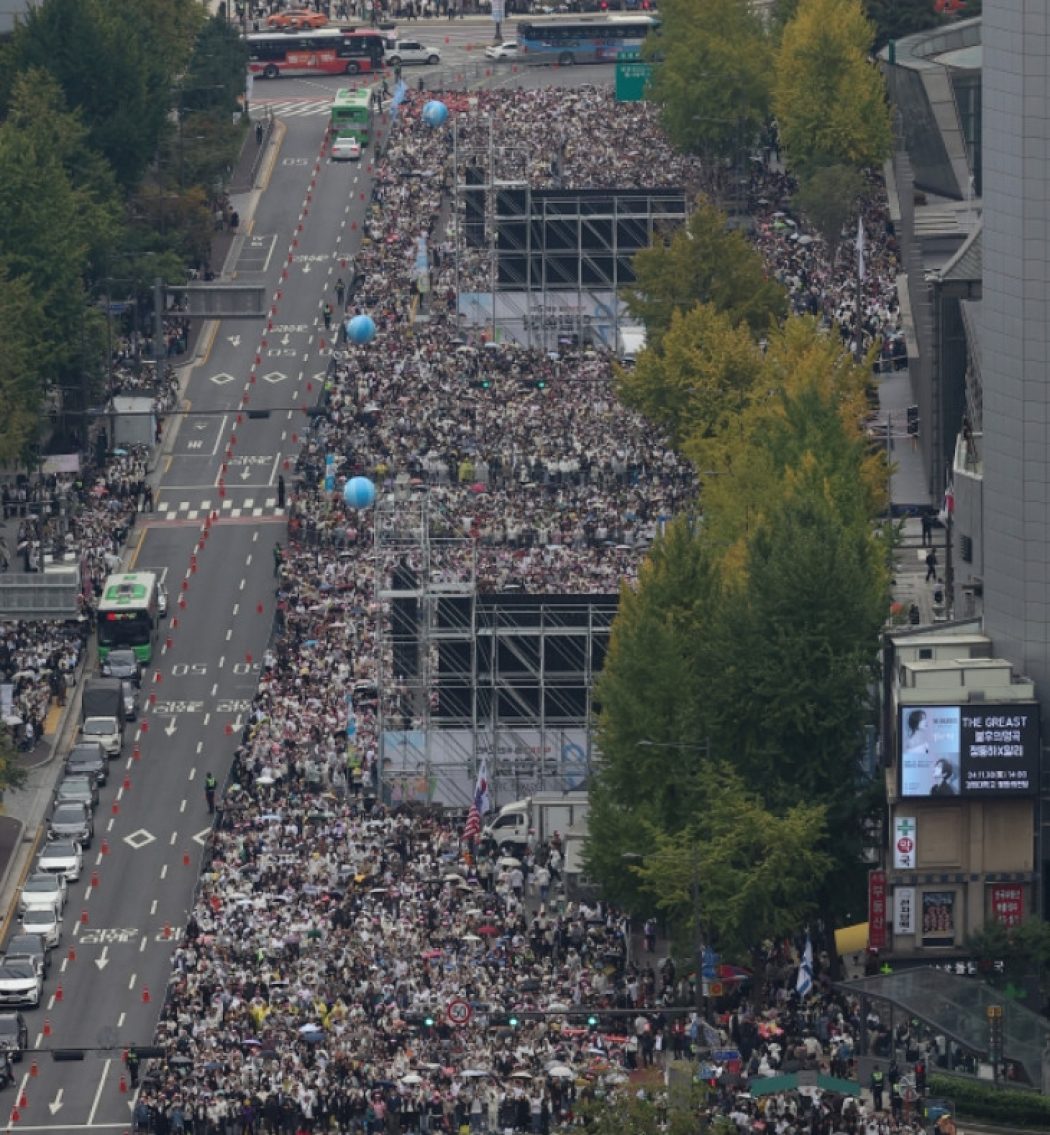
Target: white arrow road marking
{"points": [[56, 1103], [170, 728], [103, 959]]}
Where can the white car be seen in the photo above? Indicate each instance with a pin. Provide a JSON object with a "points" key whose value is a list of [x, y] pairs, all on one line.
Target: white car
{"points": [[43, 889], [44, 922], [162, 599], [105, 730], [20, 983], [63, 858], [409, 51], [508, 50], [345, 150]]}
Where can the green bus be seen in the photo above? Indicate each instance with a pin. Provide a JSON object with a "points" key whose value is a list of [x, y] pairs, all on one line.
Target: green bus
{"points": [[352, 115], [129, 614]]}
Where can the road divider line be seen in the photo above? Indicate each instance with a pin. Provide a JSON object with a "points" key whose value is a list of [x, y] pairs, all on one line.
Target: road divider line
{"points": [[164, 871], [98, 1092]]}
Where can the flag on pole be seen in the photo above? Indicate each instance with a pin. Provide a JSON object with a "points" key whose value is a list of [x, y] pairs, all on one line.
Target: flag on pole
{"points": [[860, 248], [805, 971], [479, 805], [948, 504]]}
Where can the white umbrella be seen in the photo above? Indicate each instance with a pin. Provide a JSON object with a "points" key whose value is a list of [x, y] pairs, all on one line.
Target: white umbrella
{"points": [[470, 938], [521, 1075], [473, 1074], [411, 1078], [561, 1072], [509, 861], [805, 239]]}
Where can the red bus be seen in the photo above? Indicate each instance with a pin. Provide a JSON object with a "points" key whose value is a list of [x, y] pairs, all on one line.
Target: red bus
{"points": [[324, 51]]}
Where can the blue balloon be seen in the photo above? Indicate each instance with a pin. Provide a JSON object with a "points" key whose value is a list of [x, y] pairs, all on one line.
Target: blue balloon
{"points": [[359, 492], [435, 113], [361, 329]]}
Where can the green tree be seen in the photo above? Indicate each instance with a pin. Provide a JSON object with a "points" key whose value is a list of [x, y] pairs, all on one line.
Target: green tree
{"points": [[115, 61], [12, 775], [828, 97], [746, 872], [829, 197], [651, 692], [713, 80], [702, 375], [894, 19], [22, 385], [797, 636], [704, 262]]}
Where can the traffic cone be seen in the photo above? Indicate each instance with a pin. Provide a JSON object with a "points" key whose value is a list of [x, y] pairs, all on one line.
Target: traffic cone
{"points": [[47, 1026], [167, 930], [104, 847], [23, 1100], [71, 954], [122, 1087], [94, 878], [34, 1071], [185, 859], [145, 995], [58, 992], [83, 917], [16, 1115]]}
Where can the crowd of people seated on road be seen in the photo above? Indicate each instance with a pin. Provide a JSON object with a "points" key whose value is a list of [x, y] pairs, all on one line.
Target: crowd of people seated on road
{"points": [[313, 988]]}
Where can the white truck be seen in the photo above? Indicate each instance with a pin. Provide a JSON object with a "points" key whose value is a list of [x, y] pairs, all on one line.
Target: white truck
{"points": [[543, 813]]}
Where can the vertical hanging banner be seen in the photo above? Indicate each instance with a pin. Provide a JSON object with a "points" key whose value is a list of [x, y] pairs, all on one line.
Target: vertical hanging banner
{"points": [[876, 910]]}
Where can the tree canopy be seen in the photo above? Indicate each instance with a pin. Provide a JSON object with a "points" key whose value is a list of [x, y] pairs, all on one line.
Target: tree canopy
{"points": [[713, 82], [703, 262], [828, 97], [750, 640], [745, 870]]}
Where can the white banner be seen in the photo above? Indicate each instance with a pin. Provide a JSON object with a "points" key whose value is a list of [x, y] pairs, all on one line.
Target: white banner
{"points": [[904, 843], [903, 910]]}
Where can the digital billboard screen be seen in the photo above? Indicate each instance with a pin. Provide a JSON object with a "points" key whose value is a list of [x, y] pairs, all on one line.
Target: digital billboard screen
{"points": [[969, 750]]}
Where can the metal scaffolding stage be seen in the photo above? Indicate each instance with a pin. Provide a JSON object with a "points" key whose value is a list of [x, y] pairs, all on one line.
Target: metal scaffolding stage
{"points": [[544, 265], [465, 676]]}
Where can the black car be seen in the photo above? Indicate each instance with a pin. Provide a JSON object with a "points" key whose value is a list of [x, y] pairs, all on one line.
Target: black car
{"points": [[30, 946], [14, 1034], [122, 663], [88, 757]]}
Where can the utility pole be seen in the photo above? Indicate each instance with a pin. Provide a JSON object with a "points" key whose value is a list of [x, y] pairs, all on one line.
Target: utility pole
{"points": [[159, 353]]}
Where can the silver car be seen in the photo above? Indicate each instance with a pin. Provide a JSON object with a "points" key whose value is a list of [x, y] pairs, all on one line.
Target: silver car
{"points": [[44, 922]]}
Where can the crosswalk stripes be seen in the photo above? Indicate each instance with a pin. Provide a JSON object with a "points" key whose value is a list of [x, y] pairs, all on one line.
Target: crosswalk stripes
{"points": [[198, 510], [291, 108]]}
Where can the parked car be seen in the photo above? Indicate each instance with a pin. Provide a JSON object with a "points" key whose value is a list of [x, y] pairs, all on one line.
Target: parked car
{"points": [[345, 150], [411, 51], [78, 788], [106, 731], [20, 984], [72, 821], [162, 599], [14, 1034], [43, 889], [122, 663], [30, 946], [507, 50], [45, 922], [62, 857], [88, 757]]}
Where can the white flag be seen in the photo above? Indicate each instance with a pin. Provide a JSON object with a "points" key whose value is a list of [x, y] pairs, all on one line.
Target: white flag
{"points": [[805, 971], [860, 248]]}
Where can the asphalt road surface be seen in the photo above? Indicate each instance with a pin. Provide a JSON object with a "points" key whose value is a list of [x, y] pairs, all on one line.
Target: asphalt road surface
{"points": [[152, 823], [213, 533]]}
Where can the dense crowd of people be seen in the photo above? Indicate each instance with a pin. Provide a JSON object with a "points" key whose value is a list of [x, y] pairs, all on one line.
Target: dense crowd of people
{"points": [[335, 940]]}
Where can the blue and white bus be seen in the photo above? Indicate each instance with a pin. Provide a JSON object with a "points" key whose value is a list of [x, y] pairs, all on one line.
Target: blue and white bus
{"points": [[583, 39]]}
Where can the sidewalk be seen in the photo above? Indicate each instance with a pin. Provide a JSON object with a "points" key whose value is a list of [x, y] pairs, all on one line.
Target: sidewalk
{"points": [[909, 493]]}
